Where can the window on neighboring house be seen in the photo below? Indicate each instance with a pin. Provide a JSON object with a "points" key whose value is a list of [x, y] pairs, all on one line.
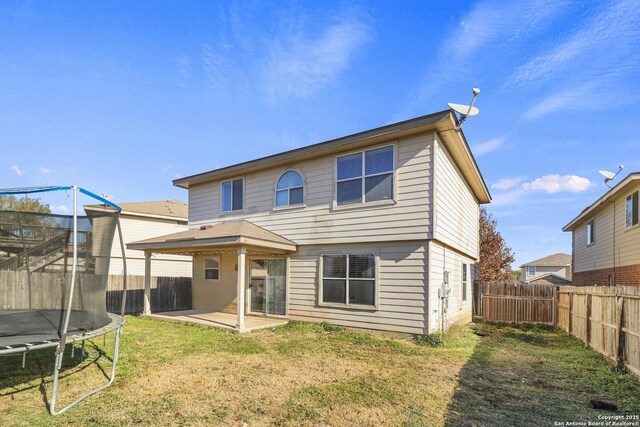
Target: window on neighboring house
{"points": [[212, 268], [365, 177], [632, 210], [232, 195], [290, 189], [464, 282], [349, 279], [531, 270], [590, 233]]}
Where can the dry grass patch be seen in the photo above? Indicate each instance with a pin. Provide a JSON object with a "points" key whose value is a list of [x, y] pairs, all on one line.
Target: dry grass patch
{"points": [[314, 375]]}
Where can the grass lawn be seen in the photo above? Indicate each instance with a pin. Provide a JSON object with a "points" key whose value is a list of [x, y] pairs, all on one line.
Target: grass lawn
{"points": [[318, 375]]}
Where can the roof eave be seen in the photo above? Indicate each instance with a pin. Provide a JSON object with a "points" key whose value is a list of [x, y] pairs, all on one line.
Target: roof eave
{"points": [[407, 127], [604, 199]]}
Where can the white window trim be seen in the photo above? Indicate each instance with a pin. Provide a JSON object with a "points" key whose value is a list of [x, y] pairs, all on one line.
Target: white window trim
{"points": [[304, 191], [590, 224], [204, 268], [244, 196], [376, 282], [362, 202], [465, 281], [630, 195], [534, 270]]}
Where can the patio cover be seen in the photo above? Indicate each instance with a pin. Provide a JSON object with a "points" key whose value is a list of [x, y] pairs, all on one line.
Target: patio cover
{"points": [[230, 233]]}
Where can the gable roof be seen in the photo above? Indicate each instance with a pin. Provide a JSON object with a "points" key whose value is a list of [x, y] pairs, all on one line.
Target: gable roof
{"points": [[556, 260], [548, 276], [229, 233], [627, 183], [164, 209], [443, 122]]}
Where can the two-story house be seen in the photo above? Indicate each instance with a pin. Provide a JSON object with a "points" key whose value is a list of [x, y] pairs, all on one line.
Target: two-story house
{"points": [[376, 230], [553, 269], [606, 237]]}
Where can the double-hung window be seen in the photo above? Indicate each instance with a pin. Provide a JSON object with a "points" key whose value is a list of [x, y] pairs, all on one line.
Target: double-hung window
{"points": [[590, 233], [366, 176], [349, 279], [232, 193], [464, 281], [212, 268], [531, 270], [631, 210]]}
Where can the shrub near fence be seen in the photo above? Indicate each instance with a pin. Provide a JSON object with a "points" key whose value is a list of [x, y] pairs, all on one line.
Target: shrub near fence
{"points": [[167, 294]]}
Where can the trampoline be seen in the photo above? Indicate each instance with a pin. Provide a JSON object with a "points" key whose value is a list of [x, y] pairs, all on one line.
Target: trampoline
{"points": [[53, 281]]}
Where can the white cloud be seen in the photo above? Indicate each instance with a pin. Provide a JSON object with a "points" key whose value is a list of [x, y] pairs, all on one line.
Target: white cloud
{"points": [[298, 66], [61, 209], [506, 183], [551, 184], [488, 146], [45, 170], [564, 100], [16, 169]]}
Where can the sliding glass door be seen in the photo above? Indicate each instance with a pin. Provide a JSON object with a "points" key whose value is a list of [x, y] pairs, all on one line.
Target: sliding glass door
{"points": [[268, 287]]}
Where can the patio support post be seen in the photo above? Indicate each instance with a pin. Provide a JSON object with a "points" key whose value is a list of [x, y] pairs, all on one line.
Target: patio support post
{"points": [[147, 282], [242, 254]]}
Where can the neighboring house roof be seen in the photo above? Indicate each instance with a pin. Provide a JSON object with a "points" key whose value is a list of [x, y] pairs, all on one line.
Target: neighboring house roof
{"points": [[443, 122], [555, 260], [628, 182], [164, 209], [228, 233], [551, 277]]}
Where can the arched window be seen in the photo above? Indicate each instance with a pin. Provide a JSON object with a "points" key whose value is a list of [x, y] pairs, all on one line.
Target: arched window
{"points": [[290, 189]]}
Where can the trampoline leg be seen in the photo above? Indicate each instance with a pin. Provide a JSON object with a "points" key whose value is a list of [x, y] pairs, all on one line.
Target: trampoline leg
{"points": [[56, 372], [83, 354]]}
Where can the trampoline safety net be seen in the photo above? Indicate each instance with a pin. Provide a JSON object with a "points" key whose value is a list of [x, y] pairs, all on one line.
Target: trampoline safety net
{"points": [[36, 264]]}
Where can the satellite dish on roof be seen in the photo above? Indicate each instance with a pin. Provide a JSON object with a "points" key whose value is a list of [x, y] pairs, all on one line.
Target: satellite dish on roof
{"points": [[465, 110], [608, 175]]}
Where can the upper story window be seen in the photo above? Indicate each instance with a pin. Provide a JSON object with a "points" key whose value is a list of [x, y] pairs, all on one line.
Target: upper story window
{"points": [[232, 195], [590, 233], [290, 189], [631, 207], [366, 176], [531, 270]]}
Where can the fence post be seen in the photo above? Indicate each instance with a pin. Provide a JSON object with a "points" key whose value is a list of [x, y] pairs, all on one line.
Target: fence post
{"points": [[554, 306], [620, 332], [588, 326], [570, 312]]}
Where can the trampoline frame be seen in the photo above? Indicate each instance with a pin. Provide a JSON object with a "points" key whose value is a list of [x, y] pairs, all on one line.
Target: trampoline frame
{"points": [[116, 324]]}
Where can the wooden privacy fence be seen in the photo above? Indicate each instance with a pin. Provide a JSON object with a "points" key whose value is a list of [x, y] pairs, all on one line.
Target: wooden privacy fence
{"points": [[167, 294], [513, 302], [606, 318]]}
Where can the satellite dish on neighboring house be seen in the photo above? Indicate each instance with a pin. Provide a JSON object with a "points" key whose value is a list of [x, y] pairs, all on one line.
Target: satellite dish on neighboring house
{"points": [[608, 175], [465, 110]]}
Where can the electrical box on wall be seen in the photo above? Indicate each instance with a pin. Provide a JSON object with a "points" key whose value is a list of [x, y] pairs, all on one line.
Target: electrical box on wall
{"points": [[444, 290]]}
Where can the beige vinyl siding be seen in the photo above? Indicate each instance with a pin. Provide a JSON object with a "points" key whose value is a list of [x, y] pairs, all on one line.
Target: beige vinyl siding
{"points": [[402, 288], [136, 228], [562, 271], [445, 259], [601, 254], [319, 221], [456, 210]]}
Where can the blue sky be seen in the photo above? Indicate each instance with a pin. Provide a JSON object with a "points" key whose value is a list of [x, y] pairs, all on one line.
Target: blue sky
{"points": [[123, 97]]}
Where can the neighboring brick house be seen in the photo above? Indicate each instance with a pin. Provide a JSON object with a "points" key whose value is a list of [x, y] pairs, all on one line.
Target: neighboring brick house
{"points": [[606, 237], [553, 269]]}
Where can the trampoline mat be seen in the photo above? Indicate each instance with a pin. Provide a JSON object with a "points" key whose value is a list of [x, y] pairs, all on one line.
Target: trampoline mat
{"points": [[27, 326]]}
